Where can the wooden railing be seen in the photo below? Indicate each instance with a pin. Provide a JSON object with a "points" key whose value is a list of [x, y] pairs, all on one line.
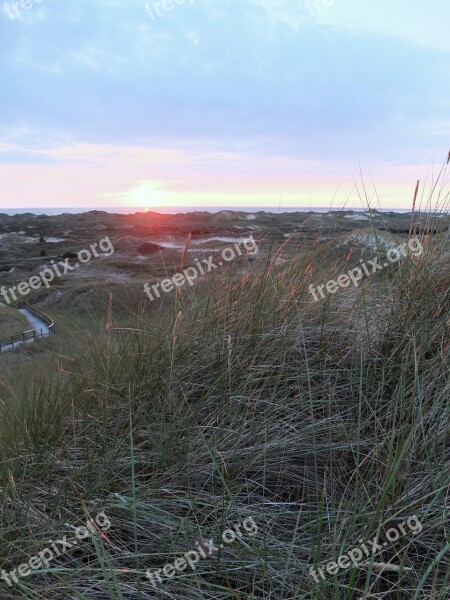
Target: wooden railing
{"points": [[31, 334], [41, 315]]}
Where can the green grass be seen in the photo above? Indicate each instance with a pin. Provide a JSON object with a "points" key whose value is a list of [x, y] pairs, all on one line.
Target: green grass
{"points": [[326, 422], [12, 322]]}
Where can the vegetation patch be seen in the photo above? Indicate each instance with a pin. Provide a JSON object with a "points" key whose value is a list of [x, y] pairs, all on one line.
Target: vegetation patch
{"points": [[12, 322]]}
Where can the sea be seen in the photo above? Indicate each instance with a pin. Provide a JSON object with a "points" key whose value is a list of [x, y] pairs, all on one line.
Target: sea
{"points": [[182, 209]]}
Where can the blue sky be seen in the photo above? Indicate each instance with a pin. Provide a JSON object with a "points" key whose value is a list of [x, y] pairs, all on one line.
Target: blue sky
{"points": [[221, 102]]}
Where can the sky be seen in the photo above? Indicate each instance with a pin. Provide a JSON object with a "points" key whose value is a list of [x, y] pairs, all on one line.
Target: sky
{"points": [[237, 103]]}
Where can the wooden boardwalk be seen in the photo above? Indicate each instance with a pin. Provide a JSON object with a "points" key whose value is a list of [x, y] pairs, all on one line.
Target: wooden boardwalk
{"points": [[31, 334]]}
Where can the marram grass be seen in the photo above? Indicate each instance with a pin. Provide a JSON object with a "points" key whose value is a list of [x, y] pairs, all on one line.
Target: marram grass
{"points": [[327, 422]]}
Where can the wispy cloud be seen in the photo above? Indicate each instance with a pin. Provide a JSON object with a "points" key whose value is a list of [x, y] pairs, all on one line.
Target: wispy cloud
{"points": [[262, 78]]}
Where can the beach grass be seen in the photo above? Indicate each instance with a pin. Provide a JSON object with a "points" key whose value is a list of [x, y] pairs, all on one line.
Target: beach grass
{"points": [[12, 322], [325, 422]]}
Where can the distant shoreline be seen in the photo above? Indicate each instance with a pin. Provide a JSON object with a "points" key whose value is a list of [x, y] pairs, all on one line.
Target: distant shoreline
{"points": [[180, 210]]}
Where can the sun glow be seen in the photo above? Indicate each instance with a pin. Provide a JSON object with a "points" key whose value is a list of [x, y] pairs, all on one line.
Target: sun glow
{"points": [[148, 194]]}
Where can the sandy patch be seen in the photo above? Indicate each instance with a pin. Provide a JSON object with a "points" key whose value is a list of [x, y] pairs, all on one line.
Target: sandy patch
{"points": [[231, 240], [356, 217], [381, 241]]}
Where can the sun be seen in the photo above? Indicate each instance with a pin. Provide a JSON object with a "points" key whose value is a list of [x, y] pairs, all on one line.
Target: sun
{"points": [[147, 194]]}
